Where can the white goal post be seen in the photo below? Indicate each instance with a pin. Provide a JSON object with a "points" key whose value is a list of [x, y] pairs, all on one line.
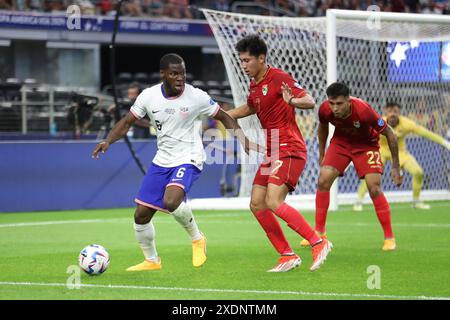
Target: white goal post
{"points": [[381, 56]]}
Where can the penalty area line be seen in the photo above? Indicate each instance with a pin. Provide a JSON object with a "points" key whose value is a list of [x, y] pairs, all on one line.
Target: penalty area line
{"points": [[242, 291]]}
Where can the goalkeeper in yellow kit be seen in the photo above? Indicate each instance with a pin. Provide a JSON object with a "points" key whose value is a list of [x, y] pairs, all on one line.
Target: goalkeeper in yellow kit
{"points": [[402, 127]]}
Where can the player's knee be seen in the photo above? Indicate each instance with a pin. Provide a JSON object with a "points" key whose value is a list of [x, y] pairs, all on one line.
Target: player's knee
{"points": [[256, 206], [273, 203], [171, 204], [418, 174], [142, 215], [324, 184], [375, 191]]}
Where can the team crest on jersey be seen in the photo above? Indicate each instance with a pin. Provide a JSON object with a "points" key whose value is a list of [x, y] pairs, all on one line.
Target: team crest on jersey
{"points": [[381, 122], [265, 89], [297, 85], [356, 124], [184, 112]]}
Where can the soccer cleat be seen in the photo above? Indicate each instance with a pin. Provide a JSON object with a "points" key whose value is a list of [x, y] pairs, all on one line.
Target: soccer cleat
{"points": [[389, 245], [421, 206], [320, 252], [358, 207], [305, 243], [147, 266], [199, 252], [286, 263]]}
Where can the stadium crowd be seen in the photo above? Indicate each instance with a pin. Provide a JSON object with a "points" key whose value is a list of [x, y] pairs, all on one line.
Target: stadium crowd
{"points": [[185, 9]]}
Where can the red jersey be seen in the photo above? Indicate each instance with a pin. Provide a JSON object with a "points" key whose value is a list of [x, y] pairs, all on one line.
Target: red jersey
{"points": [[274, 113], [361, 129]]}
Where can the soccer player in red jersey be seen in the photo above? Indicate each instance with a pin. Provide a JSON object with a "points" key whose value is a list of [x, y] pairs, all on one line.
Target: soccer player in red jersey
{"points": [[355, 139], [273, 97]]}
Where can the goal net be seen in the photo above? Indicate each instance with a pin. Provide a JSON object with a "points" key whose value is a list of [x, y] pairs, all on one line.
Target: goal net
{"points": [[381, 56]]}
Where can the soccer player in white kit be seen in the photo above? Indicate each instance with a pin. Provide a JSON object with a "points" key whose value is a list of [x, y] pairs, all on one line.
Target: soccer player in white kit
{"points": [[174, 108]]}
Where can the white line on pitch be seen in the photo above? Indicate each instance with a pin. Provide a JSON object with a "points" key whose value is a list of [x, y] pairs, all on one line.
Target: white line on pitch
{"points": [[299, 293], [213, 221]]}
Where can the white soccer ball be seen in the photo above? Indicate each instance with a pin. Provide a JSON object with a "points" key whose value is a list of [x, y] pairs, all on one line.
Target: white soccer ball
{"points": [[94, 259]]}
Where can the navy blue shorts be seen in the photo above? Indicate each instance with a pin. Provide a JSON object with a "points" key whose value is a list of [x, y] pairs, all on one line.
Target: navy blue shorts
{"points": [[157, 179]]}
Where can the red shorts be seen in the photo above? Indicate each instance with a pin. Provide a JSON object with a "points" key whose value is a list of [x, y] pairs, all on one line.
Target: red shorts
{"points": [[367, 161], [286, 170]]}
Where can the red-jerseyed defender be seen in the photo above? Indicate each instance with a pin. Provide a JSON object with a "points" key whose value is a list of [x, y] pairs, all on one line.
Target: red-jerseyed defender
{"points": [[274, 95], [355, 139]]}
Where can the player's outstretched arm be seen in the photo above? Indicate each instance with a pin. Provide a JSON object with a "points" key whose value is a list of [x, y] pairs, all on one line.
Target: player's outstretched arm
{"points": [[305, 102], [117, 132], [231, 124], [429, 135], [393, 146], [241, 112], [322, 133]]}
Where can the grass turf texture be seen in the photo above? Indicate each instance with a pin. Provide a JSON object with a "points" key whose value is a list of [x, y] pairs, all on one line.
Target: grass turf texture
{"points": [[36, 252]]}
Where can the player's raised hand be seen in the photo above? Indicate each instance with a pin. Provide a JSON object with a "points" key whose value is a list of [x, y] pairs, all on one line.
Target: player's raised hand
{"points": [[287, 92], [396, 176], [100, 147]]}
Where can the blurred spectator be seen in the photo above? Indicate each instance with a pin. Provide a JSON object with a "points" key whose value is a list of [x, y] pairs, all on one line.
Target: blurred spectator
{"points": [[178, 9], [20, 5], [181, 9], [221, 5], [54, 6], [104, 6], [154, 8], [413, 6], [36, 5], [132, 8], [5, 5], [86, 7]]}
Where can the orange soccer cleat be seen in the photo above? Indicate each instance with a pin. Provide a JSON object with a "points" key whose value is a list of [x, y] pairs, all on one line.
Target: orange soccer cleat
{"points": [[286, 263], [305, 243], [199, 252], [320, 252], [146, 266], [389, 245]]}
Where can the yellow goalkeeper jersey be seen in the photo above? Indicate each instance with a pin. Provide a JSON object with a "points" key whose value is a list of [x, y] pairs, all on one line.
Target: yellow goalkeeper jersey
{"points": [[404, 127]]}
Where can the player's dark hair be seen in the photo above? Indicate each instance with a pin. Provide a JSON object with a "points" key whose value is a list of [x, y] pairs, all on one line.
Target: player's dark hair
{"points": [[252, 44], [338, 89], [170, 58], [135, 85], [392, 104]]}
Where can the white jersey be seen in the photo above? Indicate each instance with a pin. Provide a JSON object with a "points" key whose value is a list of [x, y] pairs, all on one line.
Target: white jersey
{"points": [[177, 122]]}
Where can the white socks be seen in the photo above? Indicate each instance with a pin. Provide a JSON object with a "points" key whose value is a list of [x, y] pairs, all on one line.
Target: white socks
{"points": [[145, 235], [183, 214]]}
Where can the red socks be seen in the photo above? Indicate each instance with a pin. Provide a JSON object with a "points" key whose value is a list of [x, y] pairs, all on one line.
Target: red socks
{"points": [[322, 204], [272, 227], [297, 223], [384, 214]]}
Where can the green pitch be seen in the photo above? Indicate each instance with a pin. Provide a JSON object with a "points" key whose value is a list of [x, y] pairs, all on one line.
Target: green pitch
{"points": [[37, 249]]}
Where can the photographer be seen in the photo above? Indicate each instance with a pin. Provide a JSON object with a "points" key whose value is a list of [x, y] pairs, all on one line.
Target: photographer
{"points": [[141, 129], [80, 113]]}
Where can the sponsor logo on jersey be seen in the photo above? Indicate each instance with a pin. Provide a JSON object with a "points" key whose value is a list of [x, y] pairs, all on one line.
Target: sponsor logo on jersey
{"points": [[265, 89], [381, 122], [169, 110], [356, 124]]}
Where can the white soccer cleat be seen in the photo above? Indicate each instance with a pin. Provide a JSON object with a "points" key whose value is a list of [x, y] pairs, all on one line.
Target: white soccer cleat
{"points": [[421, 206], [286, 263]]}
